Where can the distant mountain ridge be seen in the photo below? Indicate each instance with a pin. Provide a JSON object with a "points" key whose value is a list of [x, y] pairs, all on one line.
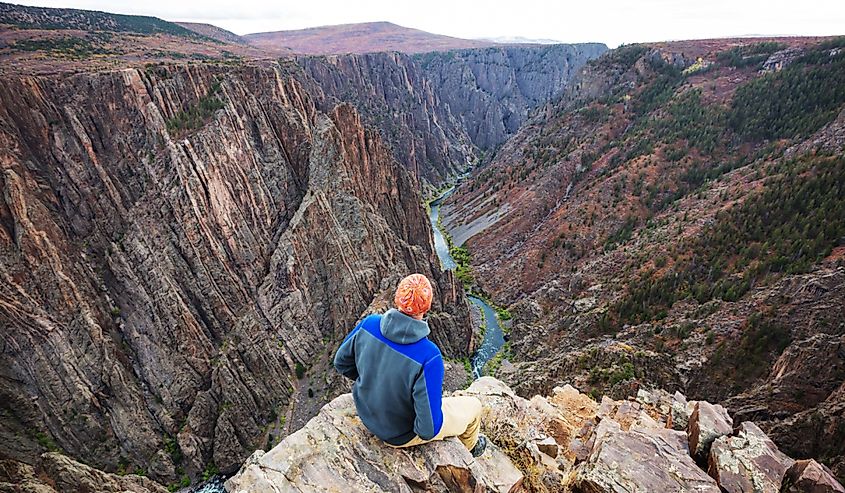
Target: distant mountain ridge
{"points": [[368, 37], [522, 40]]}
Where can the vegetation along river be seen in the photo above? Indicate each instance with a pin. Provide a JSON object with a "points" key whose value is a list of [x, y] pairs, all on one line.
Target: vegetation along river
{"points": [[494, 338]]}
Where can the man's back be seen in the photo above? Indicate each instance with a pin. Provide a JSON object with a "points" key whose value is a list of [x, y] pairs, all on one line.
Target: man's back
{"points": [[398, 376]]}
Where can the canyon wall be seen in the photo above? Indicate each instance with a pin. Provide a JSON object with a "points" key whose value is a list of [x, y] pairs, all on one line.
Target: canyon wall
{"points": [[178, 246], [438, 110], [658, 225], [493, 90], [184, 245], [390, 90]]}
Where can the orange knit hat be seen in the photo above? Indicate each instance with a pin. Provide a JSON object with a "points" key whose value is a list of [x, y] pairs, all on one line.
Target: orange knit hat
{"points": [[414, 295]]}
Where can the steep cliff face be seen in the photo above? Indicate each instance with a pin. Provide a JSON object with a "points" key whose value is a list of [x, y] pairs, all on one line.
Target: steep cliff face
{"points": [[175, 246], [390, 90], [491, 91], [437, 110]]}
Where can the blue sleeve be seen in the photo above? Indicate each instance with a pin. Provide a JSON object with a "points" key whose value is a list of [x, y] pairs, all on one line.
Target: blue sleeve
{"points": [[344, 359], [428, 395]]}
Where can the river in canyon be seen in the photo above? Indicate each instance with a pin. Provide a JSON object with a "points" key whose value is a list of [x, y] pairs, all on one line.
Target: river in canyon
{"points": [[494, 338]]}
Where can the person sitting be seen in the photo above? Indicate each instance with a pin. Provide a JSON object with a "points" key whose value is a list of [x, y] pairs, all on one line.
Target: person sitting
{"points": [[398, 374]]}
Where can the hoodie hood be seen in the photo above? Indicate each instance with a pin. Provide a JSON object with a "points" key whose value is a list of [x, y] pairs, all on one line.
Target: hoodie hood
{"points": [[402, 329]]}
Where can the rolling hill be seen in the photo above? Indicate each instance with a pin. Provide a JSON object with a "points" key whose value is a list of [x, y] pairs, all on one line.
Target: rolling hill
{"points": [[360, 38], [37, 40], [213, 32]]}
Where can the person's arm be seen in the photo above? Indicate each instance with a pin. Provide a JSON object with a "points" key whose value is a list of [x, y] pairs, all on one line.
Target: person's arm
{"points": [[344, 359], [428, 395]]}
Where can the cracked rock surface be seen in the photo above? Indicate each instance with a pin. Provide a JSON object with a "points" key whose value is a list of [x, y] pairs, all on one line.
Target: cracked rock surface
{"points": [[334, 452], [747, 462], [563, 442]]}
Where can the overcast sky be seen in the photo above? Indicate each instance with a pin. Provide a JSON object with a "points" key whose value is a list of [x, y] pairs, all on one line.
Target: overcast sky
{"points": [[608, 21]]}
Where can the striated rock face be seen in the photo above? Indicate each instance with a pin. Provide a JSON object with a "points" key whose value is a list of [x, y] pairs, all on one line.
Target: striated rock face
{"points": [[390, 90], [492, 90], [163, 278], [437, 109], [564, 442]]}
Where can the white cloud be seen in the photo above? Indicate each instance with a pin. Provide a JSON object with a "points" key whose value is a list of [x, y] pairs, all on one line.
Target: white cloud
{"points": [[609, 21]]}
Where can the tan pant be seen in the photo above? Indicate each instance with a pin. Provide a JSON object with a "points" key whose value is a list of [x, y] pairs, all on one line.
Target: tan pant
{"points": [[461, 418]]}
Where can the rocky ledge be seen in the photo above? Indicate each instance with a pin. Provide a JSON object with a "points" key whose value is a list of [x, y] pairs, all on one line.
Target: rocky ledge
{"points": [[58, 473], [563, 442]]}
